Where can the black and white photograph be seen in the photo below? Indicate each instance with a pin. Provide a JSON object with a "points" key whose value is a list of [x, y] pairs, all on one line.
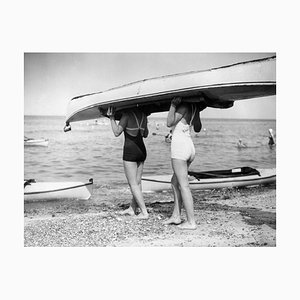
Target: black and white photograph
{"points": [[150, 149]]}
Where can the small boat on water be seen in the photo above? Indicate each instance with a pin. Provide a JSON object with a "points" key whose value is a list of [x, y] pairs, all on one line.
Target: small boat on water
{"points": [[237, 177], [36, 142], [41, 191]]}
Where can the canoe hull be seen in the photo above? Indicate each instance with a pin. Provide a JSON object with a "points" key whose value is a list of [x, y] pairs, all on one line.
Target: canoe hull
{"points": [[44, 191], [163, 182], [217, 87], [40, 142]]}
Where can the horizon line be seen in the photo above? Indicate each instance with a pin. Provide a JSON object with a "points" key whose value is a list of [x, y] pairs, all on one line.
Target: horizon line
{"points": [[156, 117]]}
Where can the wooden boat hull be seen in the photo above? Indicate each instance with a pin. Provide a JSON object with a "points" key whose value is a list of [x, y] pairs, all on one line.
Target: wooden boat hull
{"points": [[217, 87], [163, 182]]}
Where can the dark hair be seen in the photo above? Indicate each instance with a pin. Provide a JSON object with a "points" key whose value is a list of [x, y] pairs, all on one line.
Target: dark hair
{"points": [[201, 105]]}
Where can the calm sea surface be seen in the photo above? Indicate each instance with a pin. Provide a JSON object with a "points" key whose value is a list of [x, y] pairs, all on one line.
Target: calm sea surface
{"points": [[92, 151]]}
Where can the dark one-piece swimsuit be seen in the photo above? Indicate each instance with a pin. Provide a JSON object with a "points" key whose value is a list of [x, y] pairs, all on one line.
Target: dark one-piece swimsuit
{"points": [[134, 147]]}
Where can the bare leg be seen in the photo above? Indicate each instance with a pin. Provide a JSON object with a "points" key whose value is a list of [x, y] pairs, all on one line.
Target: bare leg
{"points": [[139, 174], [133, 171], [130, 211], [180, 168], [175, 218]]}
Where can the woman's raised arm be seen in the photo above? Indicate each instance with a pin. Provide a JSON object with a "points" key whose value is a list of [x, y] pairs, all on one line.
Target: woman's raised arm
{"points": [[117, 128], [176, 112]]}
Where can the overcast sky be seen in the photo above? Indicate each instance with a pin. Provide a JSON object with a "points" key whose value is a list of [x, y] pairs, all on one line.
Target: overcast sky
{"points": [[52, 79]]}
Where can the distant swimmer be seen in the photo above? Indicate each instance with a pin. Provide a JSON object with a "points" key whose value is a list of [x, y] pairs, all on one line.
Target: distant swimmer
{"points": [[271, 141], [240, 144], [168, 137], [271, 138]]}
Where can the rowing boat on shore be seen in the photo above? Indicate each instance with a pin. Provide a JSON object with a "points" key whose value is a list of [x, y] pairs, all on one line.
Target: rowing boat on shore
{"points": [[237, 177], [41, 191], [37, 142]]}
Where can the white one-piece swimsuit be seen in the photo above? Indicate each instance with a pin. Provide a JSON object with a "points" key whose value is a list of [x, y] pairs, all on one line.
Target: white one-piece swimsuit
{"points": [[182, 146]]}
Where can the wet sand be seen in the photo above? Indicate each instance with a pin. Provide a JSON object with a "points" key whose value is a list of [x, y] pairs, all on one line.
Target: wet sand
{"points": [[226, 218]]}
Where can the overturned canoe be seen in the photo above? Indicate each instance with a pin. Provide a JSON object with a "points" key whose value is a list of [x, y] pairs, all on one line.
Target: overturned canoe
{"points": [[41, 191], [217, 87], [237, 177]]}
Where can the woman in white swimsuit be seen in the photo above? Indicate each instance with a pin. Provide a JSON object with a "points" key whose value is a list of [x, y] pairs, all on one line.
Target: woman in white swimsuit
{"points": [[182, 116]]}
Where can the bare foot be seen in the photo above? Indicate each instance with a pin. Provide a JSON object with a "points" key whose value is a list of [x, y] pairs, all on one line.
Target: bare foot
{"points": [[172, 220], [142, 216], [129, 211], [187, 225]]}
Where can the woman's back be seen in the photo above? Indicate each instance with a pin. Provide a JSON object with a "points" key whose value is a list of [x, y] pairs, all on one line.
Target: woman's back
{"points": [[136, 123], [189, 115], [135, 129]]}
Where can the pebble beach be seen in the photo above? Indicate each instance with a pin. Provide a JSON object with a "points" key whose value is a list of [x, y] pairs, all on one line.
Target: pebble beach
{"points": [[225, 218]]}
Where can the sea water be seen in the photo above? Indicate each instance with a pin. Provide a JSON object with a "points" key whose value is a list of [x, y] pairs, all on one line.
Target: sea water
{"points": [[90, 149]]}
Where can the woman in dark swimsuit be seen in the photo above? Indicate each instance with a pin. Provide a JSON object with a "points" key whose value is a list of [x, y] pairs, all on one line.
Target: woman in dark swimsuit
{"points": [[134, 125]]}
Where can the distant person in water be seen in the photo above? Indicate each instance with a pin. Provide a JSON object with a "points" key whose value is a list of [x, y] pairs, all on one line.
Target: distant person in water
{"points": [[182, 116], [240, 144], [168, 137], [271, 138], [271, 141], [134, 125]]}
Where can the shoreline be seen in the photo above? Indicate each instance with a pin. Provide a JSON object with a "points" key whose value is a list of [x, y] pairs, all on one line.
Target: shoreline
{"points": [[226, 218]]}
